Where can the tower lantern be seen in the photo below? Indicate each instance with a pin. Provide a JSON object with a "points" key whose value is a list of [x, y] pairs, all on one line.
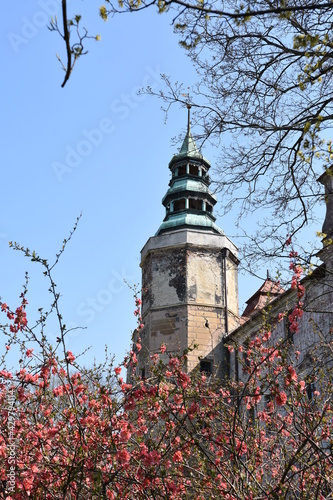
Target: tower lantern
{"points": [[188, 201]]}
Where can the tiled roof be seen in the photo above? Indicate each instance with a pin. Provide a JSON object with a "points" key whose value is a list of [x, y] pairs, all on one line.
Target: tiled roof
{"points": [[265, 294]]}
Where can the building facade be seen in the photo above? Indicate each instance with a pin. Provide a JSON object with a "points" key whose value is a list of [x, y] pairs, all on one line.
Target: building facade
{"points": [[313, 341]]}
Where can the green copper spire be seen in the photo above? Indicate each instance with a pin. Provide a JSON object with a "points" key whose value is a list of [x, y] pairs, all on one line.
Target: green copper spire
{"points": [[189, 148], [188, 201]]}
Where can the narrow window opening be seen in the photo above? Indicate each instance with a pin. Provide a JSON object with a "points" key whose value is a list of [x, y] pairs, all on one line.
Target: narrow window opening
{"points": [[246, 360], [206, 367], [289, 335], [194, 170], [228, 361], [236, 367], [310, 390], [179, 205], [195, 204], [268, 407], [181, 170]]}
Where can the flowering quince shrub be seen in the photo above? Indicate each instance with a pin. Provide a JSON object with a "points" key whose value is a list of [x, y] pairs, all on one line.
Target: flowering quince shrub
{"points": [[72, 433]]}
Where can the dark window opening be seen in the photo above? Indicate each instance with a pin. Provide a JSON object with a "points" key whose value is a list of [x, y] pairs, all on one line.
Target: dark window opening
{"points": [[246, 360], [182, 170], [252, 415], [195, 204], [268, 406], [310, 390], [206, 367], [209, 208], [236, 367], [179, 205], [228, 361], [143, 373], [289, 335], [267, 399], [194, 170]]}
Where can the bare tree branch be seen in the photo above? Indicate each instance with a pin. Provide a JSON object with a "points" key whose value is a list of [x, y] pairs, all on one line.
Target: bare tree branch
{"points": [[67, 42]]}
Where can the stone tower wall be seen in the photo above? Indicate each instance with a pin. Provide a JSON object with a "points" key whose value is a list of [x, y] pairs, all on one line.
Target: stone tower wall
{"points": [[183, 279]]}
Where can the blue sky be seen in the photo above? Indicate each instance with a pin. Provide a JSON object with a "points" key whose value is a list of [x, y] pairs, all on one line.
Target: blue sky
{"points": [[94, 147]]}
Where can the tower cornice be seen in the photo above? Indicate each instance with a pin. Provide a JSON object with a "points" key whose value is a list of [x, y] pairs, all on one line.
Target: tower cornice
{"points": [[191, 238]]}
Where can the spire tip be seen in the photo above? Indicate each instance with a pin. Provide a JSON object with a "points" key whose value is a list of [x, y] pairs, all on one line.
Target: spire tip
{"points": [[188, 105]]}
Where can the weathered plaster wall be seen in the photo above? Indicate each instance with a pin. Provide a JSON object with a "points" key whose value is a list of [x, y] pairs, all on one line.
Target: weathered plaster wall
{"points": [[167, 326], [168, 283], [204, 277], [184, 302]]}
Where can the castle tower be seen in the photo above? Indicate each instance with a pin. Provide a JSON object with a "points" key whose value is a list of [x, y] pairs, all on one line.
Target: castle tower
{"points": [[189, 271]]}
